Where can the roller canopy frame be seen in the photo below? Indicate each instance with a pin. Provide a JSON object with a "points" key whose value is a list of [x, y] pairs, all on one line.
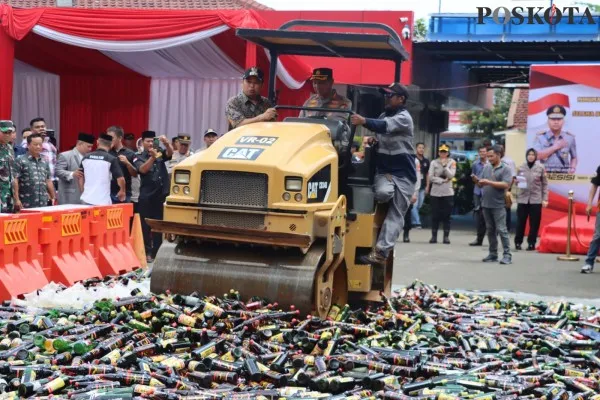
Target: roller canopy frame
{"points": [[283, 41]]}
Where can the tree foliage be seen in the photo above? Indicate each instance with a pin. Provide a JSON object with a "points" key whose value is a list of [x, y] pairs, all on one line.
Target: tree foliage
{"points": [[420, 30], [592, 6], [485, 122]]}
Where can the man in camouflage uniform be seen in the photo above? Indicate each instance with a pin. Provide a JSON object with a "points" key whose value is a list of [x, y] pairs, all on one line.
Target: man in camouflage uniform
{"points": [[7, 159], [556, 148], [249, 106], [33, 185], [325, 97]]}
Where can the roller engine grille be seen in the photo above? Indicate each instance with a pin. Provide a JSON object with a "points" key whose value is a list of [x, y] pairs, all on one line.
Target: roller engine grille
{"points": [[234, 188], [233, 220]]}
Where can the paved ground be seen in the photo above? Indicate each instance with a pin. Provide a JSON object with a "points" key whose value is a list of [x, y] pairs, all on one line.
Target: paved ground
{"points": [[459, 266]]}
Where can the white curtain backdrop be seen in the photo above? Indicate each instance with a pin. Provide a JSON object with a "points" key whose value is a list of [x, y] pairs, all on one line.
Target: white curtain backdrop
{"points": [[200, 59], [36, 93], [127, 45], [180, 105], [136, 46]]}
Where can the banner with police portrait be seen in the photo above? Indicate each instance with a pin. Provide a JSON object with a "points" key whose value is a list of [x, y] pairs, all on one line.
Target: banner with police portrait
{"points": [[563, 124]]}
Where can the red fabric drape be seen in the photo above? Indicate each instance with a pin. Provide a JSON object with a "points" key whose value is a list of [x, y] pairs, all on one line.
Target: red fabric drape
{"points": [[7, 55], [123, 24], [92, 104]]}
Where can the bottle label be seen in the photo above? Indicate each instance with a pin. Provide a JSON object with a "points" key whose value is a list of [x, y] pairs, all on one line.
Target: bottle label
{"points": [[55, 385]]}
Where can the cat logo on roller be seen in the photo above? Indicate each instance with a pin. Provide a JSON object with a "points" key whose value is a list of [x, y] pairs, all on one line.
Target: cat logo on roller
{"points": [[314, 187], [240, 153], [319, 186]]}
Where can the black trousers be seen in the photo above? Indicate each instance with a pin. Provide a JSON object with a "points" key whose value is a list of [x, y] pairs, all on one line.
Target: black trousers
{"points": [[408, 219], [479, 218], [534, 213], [153, 209], [508, 219], [441, 210]]}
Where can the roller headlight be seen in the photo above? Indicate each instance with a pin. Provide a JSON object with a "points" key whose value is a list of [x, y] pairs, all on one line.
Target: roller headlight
{"points": [[293, 184], [175, 189], [182, 177], [186, 190]]}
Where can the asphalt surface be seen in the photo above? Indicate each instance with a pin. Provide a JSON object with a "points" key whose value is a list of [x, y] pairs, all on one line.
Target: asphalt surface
{"points": [[458, 266]]}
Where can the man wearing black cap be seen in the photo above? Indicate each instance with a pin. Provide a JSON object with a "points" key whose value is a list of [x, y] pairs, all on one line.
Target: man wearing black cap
{"points": [[249, 106], [125, 157], [181, 153], [210, 136], [99, 167], [556, 148], [325, 96], [396, 168], [68, 172], [154, 185]]}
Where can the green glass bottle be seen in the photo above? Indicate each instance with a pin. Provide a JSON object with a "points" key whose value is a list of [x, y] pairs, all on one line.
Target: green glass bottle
{"points": [[61, 345], [81, 347]]}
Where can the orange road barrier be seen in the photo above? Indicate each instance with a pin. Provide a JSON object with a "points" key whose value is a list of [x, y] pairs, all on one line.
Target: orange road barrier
{"points": [[64, 240], [20, 268], [110, 239]]}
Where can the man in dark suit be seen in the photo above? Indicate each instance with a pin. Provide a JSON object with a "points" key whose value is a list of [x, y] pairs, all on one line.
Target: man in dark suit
{"points": [[67, 169]]}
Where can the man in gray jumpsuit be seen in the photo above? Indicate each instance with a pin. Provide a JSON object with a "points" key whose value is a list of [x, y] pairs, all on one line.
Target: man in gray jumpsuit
{"points": [[396, 174]]}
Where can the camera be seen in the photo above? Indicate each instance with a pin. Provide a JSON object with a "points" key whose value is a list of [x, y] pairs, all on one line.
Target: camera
{"points": [[50, 133], [406, 32]]}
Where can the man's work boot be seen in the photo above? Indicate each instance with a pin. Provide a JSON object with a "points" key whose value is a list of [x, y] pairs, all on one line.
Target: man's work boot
{"points": [[477, 242], [373, 258], [446, 237]]}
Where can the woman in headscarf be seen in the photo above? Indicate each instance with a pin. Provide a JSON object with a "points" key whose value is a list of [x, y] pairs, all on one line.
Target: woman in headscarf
{"points": [[532, 195]]}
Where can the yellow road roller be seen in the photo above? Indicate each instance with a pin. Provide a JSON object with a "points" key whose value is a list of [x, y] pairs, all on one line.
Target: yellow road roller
{"points": [[278, 209]]}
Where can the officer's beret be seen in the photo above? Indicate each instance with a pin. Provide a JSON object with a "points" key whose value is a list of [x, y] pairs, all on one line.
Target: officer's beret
{"points": [[129, 136], [556, 111]]}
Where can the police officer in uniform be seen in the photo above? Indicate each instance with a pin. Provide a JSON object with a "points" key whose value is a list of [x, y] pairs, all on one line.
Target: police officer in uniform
{"points": [[181, 153], [325, 96], [396, 173], [154, 186], [556, 148]]}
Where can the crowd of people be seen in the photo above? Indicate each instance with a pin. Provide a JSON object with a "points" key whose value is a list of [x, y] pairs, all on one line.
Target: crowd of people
{"points": [[121, 169]]}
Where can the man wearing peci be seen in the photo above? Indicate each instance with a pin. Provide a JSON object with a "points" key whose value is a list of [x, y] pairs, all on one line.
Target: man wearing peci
{"points": [[68, 172]]}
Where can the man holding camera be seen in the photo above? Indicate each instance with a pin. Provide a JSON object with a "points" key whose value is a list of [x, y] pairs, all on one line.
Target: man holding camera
{"points": [[154, 185]]}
